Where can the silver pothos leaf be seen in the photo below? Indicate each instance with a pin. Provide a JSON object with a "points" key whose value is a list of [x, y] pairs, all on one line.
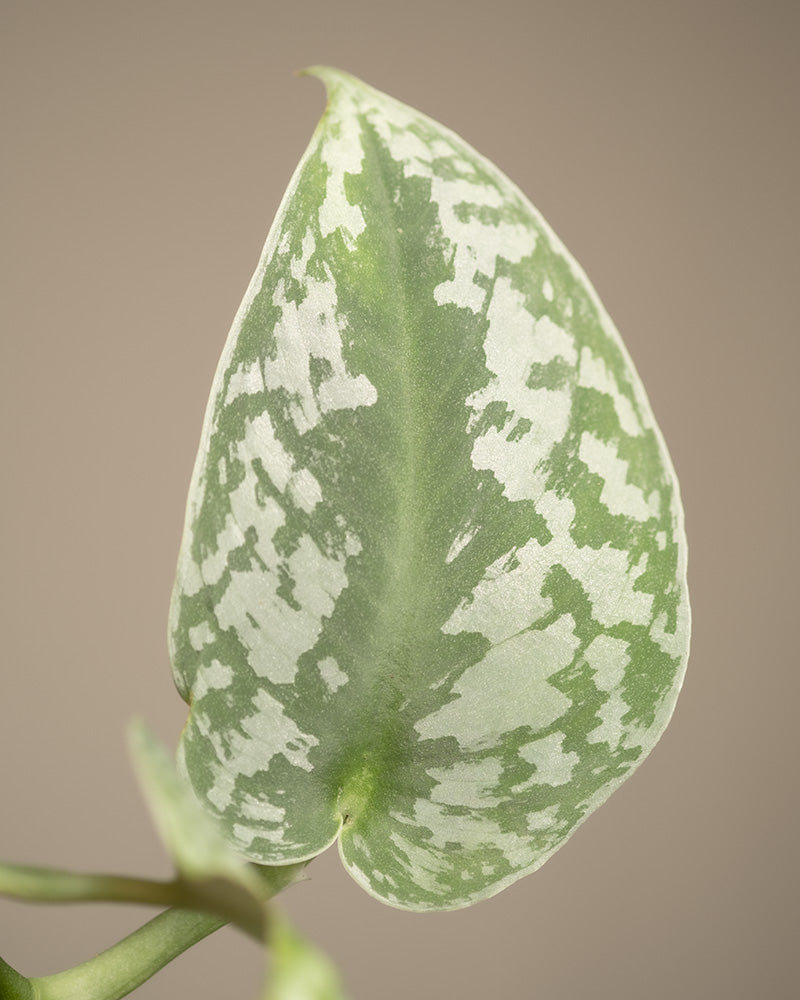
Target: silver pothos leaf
{"points": [[431, 593]]}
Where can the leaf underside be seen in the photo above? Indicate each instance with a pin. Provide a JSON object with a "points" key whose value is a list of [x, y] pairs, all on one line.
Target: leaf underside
{"points": [[431, 593]]}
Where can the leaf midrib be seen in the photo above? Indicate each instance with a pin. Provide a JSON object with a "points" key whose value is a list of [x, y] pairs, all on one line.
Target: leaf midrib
{"points": [[399, 596]]}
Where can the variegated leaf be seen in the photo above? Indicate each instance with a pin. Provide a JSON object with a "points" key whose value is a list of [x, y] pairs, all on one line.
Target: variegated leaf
{"points": [[431, 594]]}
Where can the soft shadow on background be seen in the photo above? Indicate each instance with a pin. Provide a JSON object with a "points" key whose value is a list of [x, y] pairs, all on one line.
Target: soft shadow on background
{"points": [[146, 148]]}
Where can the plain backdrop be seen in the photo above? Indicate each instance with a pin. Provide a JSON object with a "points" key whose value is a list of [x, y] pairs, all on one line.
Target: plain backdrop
{"points": [[146, 146]]}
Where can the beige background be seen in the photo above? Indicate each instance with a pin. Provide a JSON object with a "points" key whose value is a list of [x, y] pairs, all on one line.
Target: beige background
{"points": [[145, 149]]}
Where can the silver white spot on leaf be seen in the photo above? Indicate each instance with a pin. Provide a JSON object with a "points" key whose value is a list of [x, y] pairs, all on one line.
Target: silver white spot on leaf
{"points": [[522, 664], [618, 494], [331, 673]]}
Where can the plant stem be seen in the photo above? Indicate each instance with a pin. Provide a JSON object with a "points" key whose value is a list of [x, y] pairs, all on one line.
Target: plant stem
{"points": [[123, 967], [50, 885], [198, 907], [214, 896]]}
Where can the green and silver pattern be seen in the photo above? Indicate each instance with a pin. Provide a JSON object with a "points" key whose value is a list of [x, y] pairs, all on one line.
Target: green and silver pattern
{"points": [[431, 594]]}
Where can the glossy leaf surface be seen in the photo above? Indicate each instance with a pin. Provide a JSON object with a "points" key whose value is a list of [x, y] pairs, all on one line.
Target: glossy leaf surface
{"points": [[431, 593]]}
